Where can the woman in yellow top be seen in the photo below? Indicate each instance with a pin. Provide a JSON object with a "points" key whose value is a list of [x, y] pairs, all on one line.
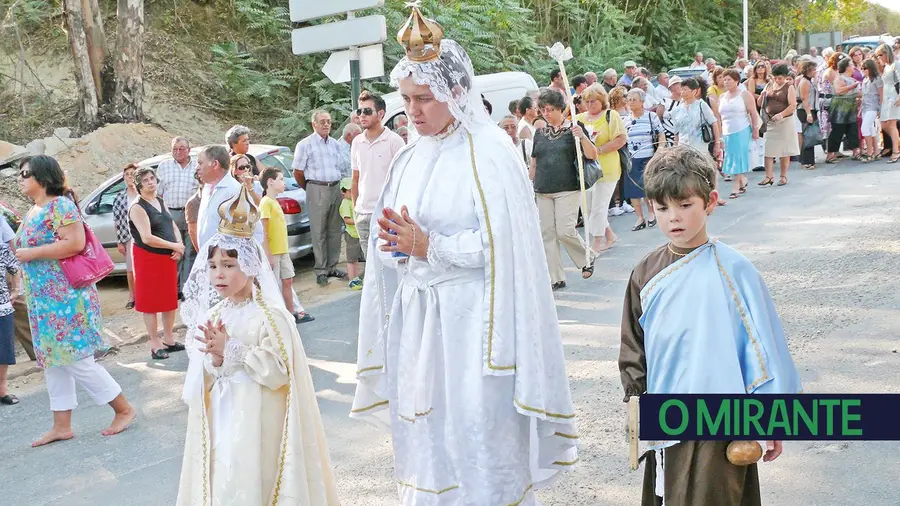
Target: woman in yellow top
{"points": [[717, 86], [607, 130]]}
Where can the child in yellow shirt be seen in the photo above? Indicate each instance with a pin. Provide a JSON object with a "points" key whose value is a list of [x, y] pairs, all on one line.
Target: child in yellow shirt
{"points": [[276, 244]]}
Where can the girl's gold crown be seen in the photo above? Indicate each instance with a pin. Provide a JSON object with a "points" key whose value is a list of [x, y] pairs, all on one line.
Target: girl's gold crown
{"points": [[238, 216], [420, 36]]}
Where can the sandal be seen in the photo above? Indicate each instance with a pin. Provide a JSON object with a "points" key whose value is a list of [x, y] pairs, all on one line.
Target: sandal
{"points": [[159, 354], [130, 305], [810, 167], [832, 160], [722, 202], [305, 318], [733, 195], [587, 269], [9, 400], [174, 347], [558, 285], [337, 274], [894, 157], [766, 181], [652, 223], [640, 226], [782, 181], [743, 189]]}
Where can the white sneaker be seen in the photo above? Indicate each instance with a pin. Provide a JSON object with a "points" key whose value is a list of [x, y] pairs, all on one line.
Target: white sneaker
{"points": [[616, 211], [627, 207]]}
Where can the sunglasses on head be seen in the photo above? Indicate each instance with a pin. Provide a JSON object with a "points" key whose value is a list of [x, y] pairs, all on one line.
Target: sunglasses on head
{"points": [[365, 111]]}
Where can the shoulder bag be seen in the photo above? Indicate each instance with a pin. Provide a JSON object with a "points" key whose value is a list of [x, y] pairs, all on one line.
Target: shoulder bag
{"points": [[90, 265], [592, 170], [763, 115], [705, 128], [896, 78], [624, 154]]}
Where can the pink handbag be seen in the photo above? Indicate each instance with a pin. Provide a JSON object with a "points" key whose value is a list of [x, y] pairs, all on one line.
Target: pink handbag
{"points": [[89, 266]]}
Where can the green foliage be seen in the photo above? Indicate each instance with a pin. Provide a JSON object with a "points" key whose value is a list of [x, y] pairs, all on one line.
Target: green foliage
{"points": [[242, 80], [238, 60], [29, 14]]}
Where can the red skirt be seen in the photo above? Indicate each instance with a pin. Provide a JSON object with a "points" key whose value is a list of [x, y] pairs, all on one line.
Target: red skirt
{"points": [[155, 281]]}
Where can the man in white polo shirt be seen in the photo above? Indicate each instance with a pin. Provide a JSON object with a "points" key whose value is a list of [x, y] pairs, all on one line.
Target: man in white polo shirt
{"points": [[370, 158]]}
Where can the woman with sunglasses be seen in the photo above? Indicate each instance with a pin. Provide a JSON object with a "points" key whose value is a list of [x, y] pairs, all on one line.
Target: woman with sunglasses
{"points": [[65, 321], [242, 171]]}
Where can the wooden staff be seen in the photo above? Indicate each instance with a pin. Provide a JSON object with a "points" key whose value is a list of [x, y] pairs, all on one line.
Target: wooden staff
{"points": [[561, 53], [633, 426]]}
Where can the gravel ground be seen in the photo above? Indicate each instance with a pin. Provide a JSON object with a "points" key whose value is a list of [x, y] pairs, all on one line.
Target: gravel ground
{"points": [[828, 245]]}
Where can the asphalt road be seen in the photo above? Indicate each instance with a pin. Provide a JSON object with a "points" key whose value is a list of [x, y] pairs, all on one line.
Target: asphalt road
{"points": [[828, 245]]}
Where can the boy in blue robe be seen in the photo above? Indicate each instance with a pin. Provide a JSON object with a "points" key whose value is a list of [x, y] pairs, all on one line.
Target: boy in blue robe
{"points": [[698, 318]]}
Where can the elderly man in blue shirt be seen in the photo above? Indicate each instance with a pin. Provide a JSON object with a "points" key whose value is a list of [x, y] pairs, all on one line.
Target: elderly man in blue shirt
{"points": [[317, 168]]}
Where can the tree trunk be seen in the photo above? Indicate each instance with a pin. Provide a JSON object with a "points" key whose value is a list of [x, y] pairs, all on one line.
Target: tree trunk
{"points": [[128, 100], [96, 43], [88, 110]]}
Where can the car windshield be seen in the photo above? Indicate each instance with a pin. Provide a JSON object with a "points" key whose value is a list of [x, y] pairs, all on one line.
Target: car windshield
{"points": [[281, 160]]}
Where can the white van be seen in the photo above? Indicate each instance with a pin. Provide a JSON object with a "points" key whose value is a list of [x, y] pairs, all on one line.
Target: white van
{"points": [[499, 89]]}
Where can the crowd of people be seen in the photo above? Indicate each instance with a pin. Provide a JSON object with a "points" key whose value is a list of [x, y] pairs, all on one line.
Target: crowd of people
{"points": [[747, 116]]}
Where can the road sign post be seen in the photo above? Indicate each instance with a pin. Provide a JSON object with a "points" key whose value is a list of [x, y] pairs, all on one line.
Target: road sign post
{"points": [[354, 77], [353, 33]]}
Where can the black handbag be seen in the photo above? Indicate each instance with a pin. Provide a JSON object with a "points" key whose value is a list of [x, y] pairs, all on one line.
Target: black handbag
{"points": [[592, 170], [763, 115], [706, 132], [624, 154]]}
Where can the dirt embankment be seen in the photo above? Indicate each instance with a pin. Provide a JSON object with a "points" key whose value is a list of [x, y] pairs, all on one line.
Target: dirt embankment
{"points": [[90, 160]]}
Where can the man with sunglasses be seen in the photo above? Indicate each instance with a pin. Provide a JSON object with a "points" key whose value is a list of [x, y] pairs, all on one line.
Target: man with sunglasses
{"points": [[317, 169], [370, 159]]}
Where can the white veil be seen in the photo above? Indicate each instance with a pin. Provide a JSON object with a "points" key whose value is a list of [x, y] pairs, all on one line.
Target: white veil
{"points": [[451, 79], [200, 296]]}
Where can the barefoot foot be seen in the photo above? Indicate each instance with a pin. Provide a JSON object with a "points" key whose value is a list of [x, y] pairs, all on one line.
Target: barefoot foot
{"points": [[609, 243], [120, 422], [52, 436]]}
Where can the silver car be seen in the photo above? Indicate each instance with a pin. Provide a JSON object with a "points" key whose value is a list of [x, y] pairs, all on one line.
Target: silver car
{"points": [[98, 206]]}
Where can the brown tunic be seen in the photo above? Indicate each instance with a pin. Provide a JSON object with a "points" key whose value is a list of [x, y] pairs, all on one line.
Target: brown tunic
{"points": [[697, 473]]}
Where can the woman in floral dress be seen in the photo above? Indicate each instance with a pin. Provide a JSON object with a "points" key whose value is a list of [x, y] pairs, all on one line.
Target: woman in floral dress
{"points": [[65, 321]]}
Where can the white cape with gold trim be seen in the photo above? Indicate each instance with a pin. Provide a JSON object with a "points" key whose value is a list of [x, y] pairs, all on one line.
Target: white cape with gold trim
{"points": [[255, 435], [460, 354]]}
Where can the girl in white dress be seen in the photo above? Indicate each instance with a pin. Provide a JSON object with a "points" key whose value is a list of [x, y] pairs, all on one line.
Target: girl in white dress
{"points": [[460, 353], [255, 435]]}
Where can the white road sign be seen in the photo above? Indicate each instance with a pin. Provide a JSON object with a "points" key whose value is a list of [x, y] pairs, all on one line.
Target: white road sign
{"points": [[339, 35], [305, 10], [371, 64]]}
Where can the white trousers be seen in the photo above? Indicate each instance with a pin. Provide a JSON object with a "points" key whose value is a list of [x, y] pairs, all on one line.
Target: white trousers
{"points": [[598, 200], [92, 377], [870, 124]]}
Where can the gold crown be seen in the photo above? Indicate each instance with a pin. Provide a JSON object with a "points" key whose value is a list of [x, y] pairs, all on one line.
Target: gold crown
{"points": [[238, 216], [420, 36]]}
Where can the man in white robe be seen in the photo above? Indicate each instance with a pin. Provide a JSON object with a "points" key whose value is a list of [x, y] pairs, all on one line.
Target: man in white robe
{"points": [[460, 352]]}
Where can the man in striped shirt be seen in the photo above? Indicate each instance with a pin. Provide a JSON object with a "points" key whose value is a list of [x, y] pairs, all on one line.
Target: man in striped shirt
{"points": [[177, 184], [317, 169]]}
